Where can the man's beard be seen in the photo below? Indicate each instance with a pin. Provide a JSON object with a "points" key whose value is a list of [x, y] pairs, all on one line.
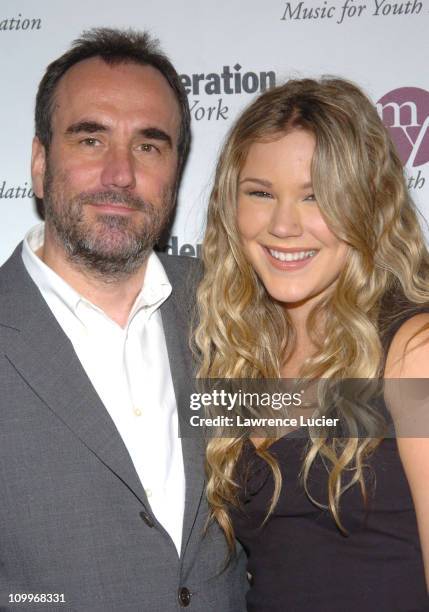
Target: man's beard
{"points": [[112, 246]]}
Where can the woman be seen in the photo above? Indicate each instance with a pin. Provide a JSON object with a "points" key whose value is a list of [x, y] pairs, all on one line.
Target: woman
{"points": [[316, 267]]}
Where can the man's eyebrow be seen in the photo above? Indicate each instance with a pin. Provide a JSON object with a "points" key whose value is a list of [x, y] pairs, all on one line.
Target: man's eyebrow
{"points": [[156, 134], [250, 179], [89, 127]]}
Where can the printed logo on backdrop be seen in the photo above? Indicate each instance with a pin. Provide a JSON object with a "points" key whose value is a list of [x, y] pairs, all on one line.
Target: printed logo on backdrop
{"points": [[209, 92], [19, 23], [405, 111], [345, 10], [15, 192]]}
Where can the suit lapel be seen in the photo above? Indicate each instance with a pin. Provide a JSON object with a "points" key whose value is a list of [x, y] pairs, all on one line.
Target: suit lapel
{"points": [[175, 318], [46, 360]]}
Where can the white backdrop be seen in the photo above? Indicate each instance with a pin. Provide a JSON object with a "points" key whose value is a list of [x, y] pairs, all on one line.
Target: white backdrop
{"points": [[381, 44]]}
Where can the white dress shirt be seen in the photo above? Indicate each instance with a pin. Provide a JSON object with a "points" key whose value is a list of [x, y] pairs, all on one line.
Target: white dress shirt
{"points": [[130, 371]]}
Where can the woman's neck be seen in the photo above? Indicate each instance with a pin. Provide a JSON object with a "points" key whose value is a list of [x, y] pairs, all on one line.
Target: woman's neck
{"points": [[304, 348]]}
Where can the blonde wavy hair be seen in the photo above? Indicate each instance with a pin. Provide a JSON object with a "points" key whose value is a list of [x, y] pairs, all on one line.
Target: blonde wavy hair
{"points": [[242, 332]]}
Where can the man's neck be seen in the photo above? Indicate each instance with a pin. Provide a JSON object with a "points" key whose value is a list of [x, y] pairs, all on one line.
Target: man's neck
{"points": [[114, 296]]}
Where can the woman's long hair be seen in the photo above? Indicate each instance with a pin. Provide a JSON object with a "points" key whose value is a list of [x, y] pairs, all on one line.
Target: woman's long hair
{"points": [[359, 184]]}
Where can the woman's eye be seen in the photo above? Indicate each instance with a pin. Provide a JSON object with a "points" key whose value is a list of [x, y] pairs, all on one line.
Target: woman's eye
{"points": [[260, 194], [310, 198]]}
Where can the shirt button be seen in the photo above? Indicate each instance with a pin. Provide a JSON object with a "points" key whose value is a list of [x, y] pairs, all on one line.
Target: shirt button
{"points": [[184, 597], [137, 412], [146, 518], [148, 492]]}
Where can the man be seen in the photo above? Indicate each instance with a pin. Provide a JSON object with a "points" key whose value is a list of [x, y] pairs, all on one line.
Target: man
{"points": [[103, 506]]}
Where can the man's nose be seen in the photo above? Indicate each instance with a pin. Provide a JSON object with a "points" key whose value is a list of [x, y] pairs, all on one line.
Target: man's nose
{"points": [[285, 220], [118, 169]]}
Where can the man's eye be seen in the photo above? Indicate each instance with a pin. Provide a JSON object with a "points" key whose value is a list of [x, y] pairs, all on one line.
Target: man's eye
{"points": [[260, 194], [147, 148], [90, 142]]}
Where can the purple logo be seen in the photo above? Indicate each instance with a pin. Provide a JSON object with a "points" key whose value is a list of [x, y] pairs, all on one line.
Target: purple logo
{"points": [[405, 111]]}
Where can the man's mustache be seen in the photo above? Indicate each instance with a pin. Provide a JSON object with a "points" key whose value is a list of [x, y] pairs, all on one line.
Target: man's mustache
{"points": [[113, 197]]}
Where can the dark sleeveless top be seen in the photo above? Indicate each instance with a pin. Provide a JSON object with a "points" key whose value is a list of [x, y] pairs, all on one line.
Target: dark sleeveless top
{"points": [[299, 561]]}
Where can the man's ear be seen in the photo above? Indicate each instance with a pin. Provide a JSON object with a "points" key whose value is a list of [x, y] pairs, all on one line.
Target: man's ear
{"points": [[38, 166]]}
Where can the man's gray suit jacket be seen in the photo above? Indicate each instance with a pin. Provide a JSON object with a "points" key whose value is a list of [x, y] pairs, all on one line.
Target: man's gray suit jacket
{"points": [[74, 517]]}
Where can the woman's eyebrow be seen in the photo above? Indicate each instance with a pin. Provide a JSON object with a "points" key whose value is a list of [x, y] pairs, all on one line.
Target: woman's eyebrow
{"points": [[250, 179]]}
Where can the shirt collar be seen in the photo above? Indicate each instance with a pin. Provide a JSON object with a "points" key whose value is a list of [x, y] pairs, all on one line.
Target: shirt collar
{"points": [[156, 286]]}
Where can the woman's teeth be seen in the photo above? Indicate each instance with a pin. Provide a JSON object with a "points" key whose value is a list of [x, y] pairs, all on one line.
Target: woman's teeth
{"points": [[282, 256]]}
